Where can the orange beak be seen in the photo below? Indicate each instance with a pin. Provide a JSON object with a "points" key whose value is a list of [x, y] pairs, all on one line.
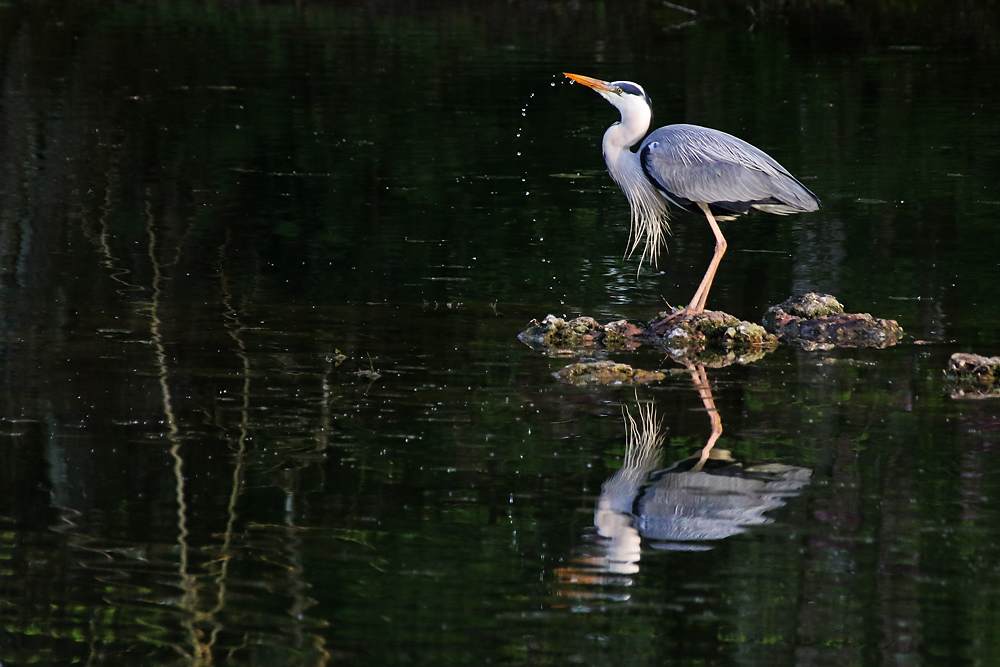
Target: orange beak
{"points": [[596, 84]]}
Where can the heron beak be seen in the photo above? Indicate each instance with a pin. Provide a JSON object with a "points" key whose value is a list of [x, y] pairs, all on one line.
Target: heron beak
{"points": [[596, 84]]}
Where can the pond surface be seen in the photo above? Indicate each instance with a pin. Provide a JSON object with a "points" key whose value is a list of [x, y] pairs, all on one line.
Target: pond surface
{"points": [[262, 399]]}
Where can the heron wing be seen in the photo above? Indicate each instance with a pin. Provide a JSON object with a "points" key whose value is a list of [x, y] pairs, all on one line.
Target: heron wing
{"points": [[697, 164]]}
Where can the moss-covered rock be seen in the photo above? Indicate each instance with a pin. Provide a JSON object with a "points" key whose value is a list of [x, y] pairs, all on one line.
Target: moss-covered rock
{"points": [[709, 328], [606, 373], [818, 322], [712, 338], [812, 305], [555, 332]]}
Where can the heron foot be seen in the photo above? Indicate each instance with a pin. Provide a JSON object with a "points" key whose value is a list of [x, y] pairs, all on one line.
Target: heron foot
{"points": [[661, 326]]}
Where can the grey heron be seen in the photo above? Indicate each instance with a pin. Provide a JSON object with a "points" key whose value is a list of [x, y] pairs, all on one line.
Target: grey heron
{"points": [[691, 167]]}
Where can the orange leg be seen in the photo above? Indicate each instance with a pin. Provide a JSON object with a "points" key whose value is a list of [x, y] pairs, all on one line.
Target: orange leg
{"points": [[700, 379], [697, 304]]}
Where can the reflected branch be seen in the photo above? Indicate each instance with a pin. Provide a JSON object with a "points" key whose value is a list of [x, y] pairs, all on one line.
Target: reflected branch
{"points": [[292, 541], [111, 262], [234, 325], [188, 582]]}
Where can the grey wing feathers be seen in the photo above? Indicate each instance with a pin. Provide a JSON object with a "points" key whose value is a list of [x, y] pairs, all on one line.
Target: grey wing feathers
{"points": [[698, 164]]}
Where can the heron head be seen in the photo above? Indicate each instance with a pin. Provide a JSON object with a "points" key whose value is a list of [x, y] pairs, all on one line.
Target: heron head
{"points": [[625, 95]]}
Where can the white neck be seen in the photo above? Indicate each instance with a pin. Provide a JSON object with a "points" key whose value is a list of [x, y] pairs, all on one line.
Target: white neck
{"points": [[620, 137], [649, 209]]}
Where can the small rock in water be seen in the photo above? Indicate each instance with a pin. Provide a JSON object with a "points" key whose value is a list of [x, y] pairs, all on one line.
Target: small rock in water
{"points": [[818, 322], [713, 338], [606, 373], [812, 305], [580, 332], [974, 375], [711, 327]]}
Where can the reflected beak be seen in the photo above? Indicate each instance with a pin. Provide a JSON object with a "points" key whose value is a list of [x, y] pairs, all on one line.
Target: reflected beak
{"points": [[596, 84]]}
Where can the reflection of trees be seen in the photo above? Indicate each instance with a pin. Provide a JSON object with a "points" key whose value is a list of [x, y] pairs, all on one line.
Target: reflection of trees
{"points": [[203, 560], [113, 286]]}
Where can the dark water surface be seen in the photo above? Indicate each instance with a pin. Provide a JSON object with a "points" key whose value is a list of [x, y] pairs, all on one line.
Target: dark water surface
{"points": [[261, 396]]}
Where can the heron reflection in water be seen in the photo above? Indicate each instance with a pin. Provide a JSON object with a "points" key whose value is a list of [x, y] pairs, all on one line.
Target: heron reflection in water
{"points": [[709, 496]]}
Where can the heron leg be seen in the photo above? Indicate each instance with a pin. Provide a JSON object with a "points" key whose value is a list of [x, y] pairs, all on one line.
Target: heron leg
{"points": [[697, 304], [700, 379]]}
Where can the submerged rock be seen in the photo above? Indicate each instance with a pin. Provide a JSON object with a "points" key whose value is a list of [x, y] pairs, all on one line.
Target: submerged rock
{"points": [[974, 375], [818, 322], [606, 373]]}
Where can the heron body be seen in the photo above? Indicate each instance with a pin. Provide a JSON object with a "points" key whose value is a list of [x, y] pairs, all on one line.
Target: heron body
{"points": [[695, 168]]}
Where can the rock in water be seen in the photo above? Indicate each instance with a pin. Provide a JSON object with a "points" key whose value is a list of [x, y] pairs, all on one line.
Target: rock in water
{"points": [[606, 373], [974, 376], [818, 322]]}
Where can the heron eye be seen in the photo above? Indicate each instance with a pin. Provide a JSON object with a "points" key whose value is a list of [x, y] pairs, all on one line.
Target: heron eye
{"points": [[619, 90]]}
